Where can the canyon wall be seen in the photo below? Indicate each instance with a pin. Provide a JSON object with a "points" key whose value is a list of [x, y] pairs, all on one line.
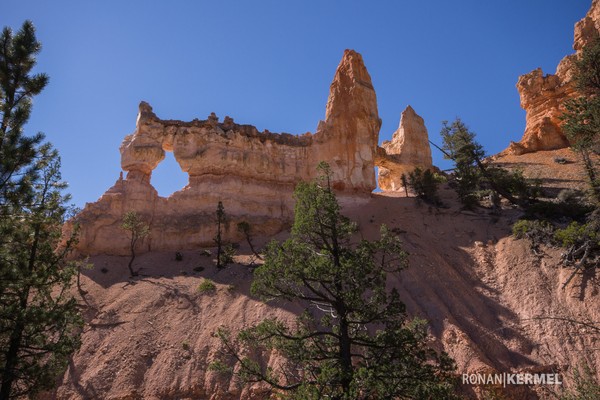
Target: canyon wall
{"points": [[543, 96], [253, 173]]}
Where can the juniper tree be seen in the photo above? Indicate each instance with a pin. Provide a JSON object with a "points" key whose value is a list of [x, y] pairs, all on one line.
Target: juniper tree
{"points": [[246, 229], [138, 229], [354, 340]]}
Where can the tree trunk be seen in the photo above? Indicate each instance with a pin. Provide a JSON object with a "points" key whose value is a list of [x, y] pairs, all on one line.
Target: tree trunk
{"points": [[345, 355], [16, 336], [219, 243], [252, 247], [591, 173], [130, 266], [497, 188]]}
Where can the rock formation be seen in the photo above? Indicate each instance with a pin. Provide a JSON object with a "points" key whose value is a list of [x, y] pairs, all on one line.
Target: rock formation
{"points": [[253, 173], [348, 137], [409, 148], [543, 97]]}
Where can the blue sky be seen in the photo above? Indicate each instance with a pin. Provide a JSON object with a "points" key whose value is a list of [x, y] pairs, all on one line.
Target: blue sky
{"points": [[270, 63]]}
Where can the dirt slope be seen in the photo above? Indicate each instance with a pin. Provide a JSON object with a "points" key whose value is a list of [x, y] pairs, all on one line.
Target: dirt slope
{"points": [[482, 291]]}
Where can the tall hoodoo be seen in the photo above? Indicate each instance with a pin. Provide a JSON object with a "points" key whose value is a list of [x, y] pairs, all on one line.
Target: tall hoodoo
{"points": [[350, 132], [409, 148], [543, 96]]}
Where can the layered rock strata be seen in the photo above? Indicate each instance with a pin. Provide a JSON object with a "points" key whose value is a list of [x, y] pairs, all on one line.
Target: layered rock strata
{"points": [[253, 173], [408, 149], [543, 96]]}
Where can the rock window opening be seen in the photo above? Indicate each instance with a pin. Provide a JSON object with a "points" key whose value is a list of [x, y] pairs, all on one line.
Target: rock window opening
{"points": [[168, 177], [377, 189]]}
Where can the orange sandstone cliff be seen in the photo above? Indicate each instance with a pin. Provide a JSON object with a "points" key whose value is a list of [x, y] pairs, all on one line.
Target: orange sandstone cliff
{"points": [[543, 96]]}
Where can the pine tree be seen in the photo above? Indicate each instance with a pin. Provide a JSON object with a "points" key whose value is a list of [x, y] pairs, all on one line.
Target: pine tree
{"points": [[39, 319], [582, 116], [472, 172], [354, 340], [460, 147], [17, 88]]}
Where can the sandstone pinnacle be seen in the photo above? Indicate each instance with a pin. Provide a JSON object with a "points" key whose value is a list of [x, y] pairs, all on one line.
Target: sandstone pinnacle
{"points": [[409, 148]]}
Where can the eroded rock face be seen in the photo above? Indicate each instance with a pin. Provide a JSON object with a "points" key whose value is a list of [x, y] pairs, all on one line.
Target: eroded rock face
{"points": [[543, 96], [253, 173], [409, 148], [351, 109]]}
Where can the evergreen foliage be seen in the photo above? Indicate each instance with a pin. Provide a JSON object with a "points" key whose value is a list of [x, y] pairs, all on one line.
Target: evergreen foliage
{"points": [[580, 239], [39, 319], [425, 185], [18, 153], [472, 174], [460, 146], [404, 181], [246, 229], [138, 229], [207, 286], [354, 339], [582, 116]]}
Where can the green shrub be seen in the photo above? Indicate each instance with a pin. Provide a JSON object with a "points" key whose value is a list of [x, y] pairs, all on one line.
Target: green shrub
{"points": [[536, 231], [226, 256], [425, 185], [575, 234], [207, 286], [526, 229]]}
